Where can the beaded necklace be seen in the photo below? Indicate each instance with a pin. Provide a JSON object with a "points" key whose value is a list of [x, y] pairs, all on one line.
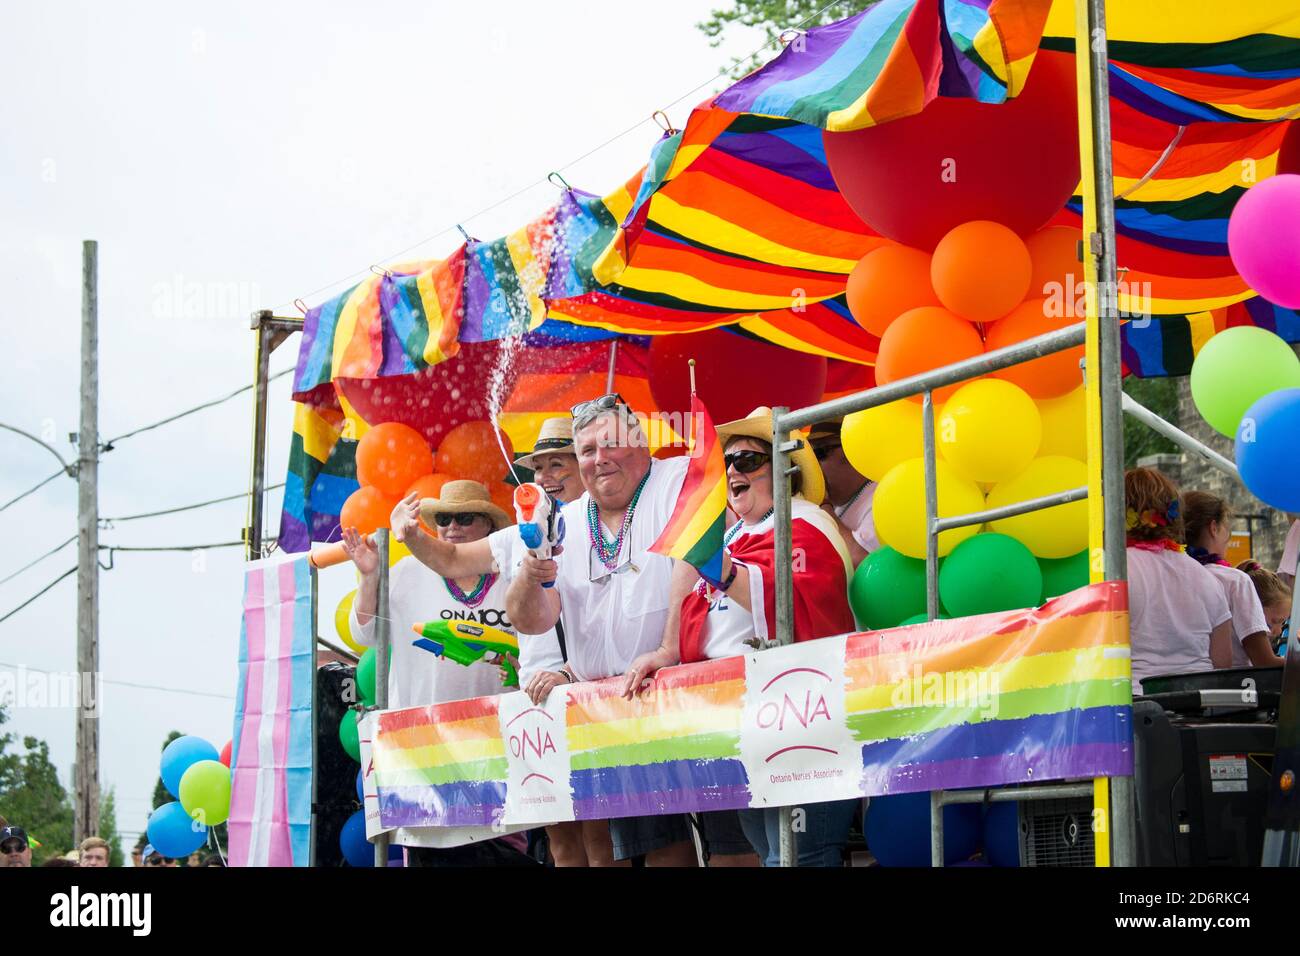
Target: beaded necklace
{"points": [[608, 551], [841, 509], [476, 596]]}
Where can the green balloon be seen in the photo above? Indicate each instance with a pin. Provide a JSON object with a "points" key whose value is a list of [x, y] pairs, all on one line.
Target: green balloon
{"points": [[989, 572], [366, 677], [886, 588], [1235, 369], [205, 791], [348, 735], [1062, 575], [921, 619]]}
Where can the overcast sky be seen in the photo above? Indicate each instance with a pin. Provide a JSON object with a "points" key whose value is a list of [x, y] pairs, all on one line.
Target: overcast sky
{"points": [[229, 158]]}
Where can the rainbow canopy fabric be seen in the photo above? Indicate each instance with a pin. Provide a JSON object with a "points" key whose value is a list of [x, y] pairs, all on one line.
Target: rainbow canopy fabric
{"points": [[736, 222]]}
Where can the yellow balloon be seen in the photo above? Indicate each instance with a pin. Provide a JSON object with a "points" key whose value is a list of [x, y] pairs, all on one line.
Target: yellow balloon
{"points": [[877, 439], [989, 430], [1054, 532], [396, 551], [341, 622], [1065, 429], [899, 506]]}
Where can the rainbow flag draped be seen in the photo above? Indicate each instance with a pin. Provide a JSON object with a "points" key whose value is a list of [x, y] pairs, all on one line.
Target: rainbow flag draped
{"points": [[996, 699], [694, 532]]}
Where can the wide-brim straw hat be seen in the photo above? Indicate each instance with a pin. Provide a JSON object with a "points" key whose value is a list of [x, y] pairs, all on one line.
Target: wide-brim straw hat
{"points": [[463, 497], [759, 425], [555, 438]]}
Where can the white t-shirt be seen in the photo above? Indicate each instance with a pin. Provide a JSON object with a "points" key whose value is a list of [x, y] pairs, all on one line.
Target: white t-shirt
{"points": [[859, 518], [1290, 550], [611, 621], [417, 677], [1174, 604], [537, 652], [1243, 602], [729, 625]]}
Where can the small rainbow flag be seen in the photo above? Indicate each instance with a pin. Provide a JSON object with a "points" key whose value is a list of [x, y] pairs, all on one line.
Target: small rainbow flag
{"points": [[695, 530]]}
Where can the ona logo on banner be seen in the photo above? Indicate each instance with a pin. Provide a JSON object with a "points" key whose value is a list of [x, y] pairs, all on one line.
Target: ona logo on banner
{"points": [[801, 711], [794, 741], [537, 759]]}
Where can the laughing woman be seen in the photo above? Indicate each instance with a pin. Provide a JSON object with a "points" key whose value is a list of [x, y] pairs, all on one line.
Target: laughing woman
{"points": [[709, 623]]}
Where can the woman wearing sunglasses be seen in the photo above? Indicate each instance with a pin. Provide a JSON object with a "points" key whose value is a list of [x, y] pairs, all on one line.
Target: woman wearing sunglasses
{"points": [[462, 513], [709, 622]]}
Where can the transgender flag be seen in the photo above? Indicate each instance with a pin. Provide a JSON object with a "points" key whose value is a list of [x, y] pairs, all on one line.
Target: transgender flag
{"points": [[270, 798]]}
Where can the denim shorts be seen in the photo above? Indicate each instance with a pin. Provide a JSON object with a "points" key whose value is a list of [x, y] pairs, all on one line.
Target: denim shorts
{"points": [[720, 834]]}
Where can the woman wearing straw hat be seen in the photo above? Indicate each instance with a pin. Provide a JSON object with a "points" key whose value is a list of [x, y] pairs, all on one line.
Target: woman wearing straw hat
{"points": [[462, 513], [554, 464], [707, 623]]}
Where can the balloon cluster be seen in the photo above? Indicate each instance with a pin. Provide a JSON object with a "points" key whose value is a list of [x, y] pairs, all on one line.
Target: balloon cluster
{"points": [[199, 777], [394, 460], [1246, 380], [1008, 437]]}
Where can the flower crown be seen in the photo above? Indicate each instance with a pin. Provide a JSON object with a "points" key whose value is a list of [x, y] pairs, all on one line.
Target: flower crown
{"points": [[1153, 519]]}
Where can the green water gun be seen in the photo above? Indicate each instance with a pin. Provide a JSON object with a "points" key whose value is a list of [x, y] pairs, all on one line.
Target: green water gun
{"points": [[465, 643]]}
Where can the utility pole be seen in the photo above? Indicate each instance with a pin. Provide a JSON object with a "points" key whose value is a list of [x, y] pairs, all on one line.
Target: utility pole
{"points": [[86, 771]]}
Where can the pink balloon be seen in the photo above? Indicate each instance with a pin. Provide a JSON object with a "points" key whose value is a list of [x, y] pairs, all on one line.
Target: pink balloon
{"points": [[1264, 239]]}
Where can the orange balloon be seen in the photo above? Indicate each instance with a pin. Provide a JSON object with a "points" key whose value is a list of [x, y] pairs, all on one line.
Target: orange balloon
{"points": [[1054, 251], [503, 496], [925, 339], [429, 486], [470, 450], [1050, 376], [887, 282], [391, 456], [980, 270], [366, 509]]}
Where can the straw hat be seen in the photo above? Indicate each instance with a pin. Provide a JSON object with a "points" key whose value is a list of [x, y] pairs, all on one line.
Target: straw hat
{"points": [[555, 438], [463, 497], [759, 425]]}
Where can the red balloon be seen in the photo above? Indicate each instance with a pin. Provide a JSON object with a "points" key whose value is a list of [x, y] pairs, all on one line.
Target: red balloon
{"points": [[1016, 163], [225, 752], [733, 374]]}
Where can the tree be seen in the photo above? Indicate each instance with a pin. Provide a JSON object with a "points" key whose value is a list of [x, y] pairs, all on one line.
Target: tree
{"points": [[31, 795], [774, 17], [108, 827], [1161, 396]]}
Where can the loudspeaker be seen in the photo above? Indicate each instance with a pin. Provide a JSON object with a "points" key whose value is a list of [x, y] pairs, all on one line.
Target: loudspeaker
{"points": [[336, 771]]}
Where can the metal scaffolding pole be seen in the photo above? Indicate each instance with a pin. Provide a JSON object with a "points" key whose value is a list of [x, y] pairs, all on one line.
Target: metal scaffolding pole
{"points": [[784, 556]]}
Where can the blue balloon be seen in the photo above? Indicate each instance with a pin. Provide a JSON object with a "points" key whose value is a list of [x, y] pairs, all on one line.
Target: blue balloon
{"points": [[177, 758], [357, 850], [173, 833], [898, 830], [1002, 834], [1268, 454], [361, 788]]}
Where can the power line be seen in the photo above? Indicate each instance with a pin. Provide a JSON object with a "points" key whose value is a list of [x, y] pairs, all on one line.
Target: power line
{"points": [[65, 574], [595, 149], [108, 445], [171, 547], [38, 560], [201, 504], [133, 684], [38, 487]]}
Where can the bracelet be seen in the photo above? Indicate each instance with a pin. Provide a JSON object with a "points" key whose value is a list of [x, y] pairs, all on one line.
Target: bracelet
{"points": [[568, 678], [731, 578]]}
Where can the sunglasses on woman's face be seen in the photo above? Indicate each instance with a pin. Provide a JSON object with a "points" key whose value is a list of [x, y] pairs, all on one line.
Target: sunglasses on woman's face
{"points": [[465, 520], [746, 462], [825, 451]]}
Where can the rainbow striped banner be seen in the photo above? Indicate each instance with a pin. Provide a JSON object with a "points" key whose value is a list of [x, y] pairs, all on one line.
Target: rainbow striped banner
{"points": [[1015, 697]]}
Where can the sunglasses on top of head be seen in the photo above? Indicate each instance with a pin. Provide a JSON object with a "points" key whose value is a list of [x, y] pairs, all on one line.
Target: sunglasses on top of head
{"points": [[605, 403], [746, 462], [464, 520]]}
